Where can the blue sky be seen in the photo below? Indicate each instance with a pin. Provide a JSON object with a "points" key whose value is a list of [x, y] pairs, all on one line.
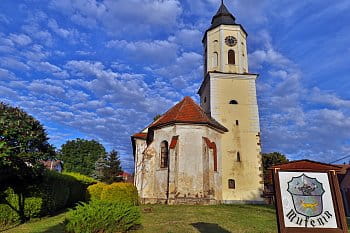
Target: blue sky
{"points": [[102, 69]]}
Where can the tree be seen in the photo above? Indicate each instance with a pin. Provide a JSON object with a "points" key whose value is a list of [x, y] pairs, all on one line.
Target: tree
{"points": [[80, 155], [100, 168], [272, 159], [114, 168], [23, 143], [156, 117]]}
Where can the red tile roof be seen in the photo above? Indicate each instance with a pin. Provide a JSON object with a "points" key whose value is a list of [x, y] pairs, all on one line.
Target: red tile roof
{"points": [[140, 136], [186, 111]]}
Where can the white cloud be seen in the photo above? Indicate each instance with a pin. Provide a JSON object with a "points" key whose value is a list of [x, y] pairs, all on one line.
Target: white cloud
{"points": [[159, 51], [189, 38], [6, 75], [331, 99], [59, 31], [42, 88], [7, 92], [117, 16], [36, 32], [4, 19], [20, 39], [49, 68], [13, 63]]}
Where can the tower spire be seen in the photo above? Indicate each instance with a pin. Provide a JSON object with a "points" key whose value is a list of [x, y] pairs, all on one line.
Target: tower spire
{"points": [[222, 16]]}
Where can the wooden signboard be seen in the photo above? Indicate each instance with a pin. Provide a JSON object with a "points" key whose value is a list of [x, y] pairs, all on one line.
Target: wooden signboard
{"points": [[308, 198]]}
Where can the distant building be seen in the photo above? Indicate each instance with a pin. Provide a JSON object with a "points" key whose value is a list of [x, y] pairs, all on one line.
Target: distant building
{"points": [[344, 183], [53, 165], [126, 177], [208, 153]]}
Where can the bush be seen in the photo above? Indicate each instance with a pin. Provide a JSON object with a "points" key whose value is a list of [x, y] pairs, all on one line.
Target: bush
{"points": [[120, 192], [9, 217], [81, 178], [94, 191], [102, 216], [116, 192], [56, 191]]}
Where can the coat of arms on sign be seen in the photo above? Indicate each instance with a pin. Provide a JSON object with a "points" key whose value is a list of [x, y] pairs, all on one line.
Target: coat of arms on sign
{"points": [[307, 195]]}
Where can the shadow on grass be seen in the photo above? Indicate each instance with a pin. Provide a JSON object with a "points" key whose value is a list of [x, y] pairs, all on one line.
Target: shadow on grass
{"points": [[204, 227], [59, 228]]}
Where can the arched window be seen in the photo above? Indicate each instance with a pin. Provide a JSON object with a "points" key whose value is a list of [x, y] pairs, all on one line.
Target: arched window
{"points": [[231, 57], [233, 102], [215, 59], [164, 154], [238, 157]]}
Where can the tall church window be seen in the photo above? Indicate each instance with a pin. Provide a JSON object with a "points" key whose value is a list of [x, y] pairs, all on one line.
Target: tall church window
{"points": [[215, 59], [164, 154], [231, 184], [238, 157], [231, 57]]}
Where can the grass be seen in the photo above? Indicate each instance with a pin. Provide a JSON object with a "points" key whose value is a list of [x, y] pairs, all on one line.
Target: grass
{"points": [[208, 219], [181, 219], [45, 225]]}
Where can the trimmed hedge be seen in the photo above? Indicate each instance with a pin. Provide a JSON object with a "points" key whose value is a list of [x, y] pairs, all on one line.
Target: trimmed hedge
{"points": [[102, 216], [8, 217], [116, 192], [94, 191], [56, 191]]}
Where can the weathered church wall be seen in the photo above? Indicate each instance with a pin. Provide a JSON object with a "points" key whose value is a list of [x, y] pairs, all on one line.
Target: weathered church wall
{"points": [[191, 176]]}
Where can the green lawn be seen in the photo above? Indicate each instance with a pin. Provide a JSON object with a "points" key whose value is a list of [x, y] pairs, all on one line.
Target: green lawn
{"points": [[181, 219], [45, 225]]}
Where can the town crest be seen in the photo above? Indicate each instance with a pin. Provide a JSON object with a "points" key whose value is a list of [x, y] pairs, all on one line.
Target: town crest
{"points": [[307, 195]]}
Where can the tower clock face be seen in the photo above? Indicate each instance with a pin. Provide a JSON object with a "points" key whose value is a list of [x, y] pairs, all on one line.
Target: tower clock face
{"points": [[231, 41]]}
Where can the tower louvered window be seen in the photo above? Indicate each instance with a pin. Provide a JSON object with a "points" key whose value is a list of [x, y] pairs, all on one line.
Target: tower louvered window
{"points": [[231, 57]]}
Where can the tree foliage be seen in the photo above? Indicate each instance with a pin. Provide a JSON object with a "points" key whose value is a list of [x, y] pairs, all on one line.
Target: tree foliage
{"points": [[156, 117], [23, 143], [271, 159], [100, 168], [114, 168], [108, 168], [80, 155]]}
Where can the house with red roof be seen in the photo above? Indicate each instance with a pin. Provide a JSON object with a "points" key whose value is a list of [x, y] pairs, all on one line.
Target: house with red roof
{"points": [[207, 153]]}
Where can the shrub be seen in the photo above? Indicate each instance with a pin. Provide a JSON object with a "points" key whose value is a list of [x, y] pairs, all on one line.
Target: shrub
{"points": [[94, 191], [102, 216], [116, 192], [81, 178], [56, 191], [120, 192], [8, 216]]}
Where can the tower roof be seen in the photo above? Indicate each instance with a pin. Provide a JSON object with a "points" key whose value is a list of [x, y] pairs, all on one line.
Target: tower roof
{"points": [[186, 111], [223, 16]]}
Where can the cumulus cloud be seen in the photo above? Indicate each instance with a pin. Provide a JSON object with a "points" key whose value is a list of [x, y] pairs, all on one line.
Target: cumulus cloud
{"points": [[20, 39], [49, 68], [158, 52], [13, 63], [6, 75], [117, 16]]}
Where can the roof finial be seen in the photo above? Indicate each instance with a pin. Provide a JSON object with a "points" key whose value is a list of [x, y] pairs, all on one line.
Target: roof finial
{"points": [[222, 2]]}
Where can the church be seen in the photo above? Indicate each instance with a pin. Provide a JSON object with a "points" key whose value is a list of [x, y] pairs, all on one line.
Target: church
{"points": [[207, 153]]}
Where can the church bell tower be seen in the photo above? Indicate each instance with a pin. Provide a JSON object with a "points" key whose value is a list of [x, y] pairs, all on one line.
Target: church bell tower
{"points": [[228, 94]]}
